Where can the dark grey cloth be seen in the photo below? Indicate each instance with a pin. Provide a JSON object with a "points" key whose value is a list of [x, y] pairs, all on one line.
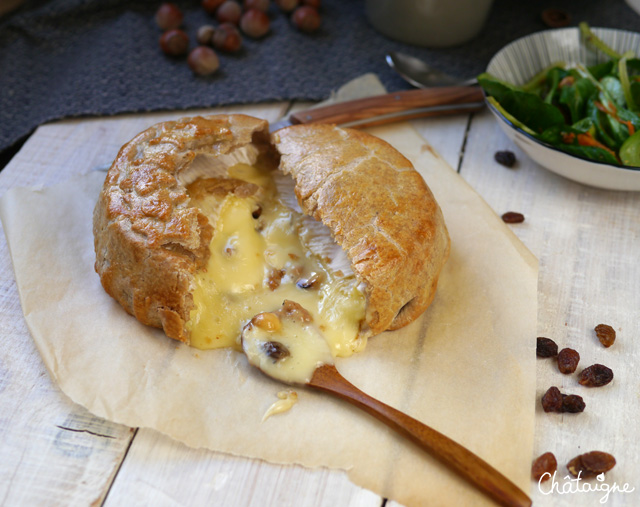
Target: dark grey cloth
{"points": [[65, 58]]}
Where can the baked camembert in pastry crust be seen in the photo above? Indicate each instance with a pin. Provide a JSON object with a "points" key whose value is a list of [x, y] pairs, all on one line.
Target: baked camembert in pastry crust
{"points": [[205, 222]]}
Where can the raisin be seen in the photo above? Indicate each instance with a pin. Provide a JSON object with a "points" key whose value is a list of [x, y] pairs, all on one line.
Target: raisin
{"points": [[591, 464], [568, 360], [257, 212], [505, 158], [572, 403], [275, 350], [555, 18], [596, 375], [598, 462], [546, 347], [552, 400], [543, 465], [606, 334], [512, 217]]}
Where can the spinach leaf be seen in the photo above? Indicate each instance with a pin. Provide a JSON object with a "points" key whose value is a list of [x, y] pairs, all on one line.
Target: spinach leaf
{"points": [[601, 123], [526, 107], [633, 66], [575, 97], [630, 151], [629, 116], [601, 69], [585, 126], [590, 152], [554, 76], [567, 139], [613, 87]]}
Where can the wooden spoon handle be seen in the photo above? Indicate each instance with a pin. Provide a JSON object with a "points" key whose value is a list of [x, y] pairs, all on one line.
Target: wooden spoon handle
{"points": [[404, 105], [467, 464]]}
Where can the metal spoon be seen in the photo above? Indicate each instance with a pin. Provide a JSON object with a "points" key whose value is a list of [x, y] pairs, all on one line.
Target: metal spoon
{"points": [[279, 345], [422, 75]]}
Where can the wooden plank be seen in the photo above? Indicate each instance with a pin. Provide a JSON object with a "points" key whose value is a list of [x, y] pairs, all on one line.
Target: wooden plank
{"points": [[587, 241], [161, 471], [446, 135], [52, 452]]}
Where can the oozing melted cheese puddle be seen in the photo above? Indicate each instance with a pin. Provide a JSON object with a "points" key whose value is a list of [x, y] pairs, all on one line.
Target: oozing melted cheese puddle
{"points": [[257, 262]]}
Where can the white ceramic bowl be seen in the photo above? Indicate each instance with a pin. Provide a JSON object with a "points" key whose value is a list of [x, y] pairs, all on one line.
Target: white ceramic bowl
{"points": [[522, 59]]}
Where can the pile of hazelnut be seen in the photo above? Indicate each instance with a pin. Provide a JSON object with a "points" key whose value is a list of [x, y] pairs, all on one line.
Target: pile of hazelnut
{"points": [[234, 20]]}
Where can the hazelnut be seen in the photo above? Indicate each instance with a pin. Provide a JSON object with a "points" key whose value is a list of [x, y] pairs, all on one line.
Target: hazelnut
{"points": [[287, 5], [168, 16], [229, 12], [211, 6], [205, 35], [203, 61], [174, 42], [227, 38], [306, 19], [255, 23]]}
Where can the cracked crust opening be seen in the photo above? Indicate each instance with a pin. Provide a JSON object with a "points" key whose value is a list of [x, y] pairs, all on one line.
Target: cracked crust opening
{"points": [[150, 241]]}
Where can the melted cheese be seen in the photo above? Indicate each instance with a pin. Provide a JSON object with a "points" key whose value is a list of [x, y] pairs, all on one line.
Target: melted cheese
{"points": [[254, 266], [286, 400], [305, 349]]}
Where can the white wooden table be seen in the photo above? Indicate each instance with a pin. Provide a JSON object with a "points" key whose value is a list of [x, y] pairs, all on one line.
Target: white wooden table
{"points": [[53, 452]]}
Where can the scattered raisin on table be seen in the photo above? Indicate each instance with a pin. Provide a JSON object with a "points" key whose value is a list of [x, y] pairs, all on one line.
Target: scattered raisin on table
{"points": [[544, 464], [591, 464], [555, 18], [552, 400], [505, 158], [512, 217], [596, 375], [572, 403], [606, 334], [568, 360], [546, 347]]}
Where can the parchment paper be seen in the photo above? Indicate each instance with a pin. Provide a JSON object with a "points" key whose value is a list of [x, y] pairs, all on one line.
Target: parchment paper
{"points": [[466, 367]]}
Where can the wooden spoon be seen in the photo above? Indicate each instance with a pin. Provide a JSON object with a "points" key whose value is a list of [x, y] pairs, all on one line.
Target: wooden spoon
{"points": [[285, 346], [463, 461]]}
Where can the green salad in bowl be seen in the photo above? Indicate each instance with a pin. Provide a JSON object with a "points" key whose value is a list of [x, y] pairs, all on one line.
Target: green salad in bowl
{"points": [[590, 111]]}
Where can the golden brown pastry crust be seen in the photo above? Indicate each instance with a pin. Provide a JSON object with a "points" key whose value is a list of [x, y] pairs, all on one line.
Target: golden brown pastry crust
{"points": [[380, 212], [150, 240]]}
